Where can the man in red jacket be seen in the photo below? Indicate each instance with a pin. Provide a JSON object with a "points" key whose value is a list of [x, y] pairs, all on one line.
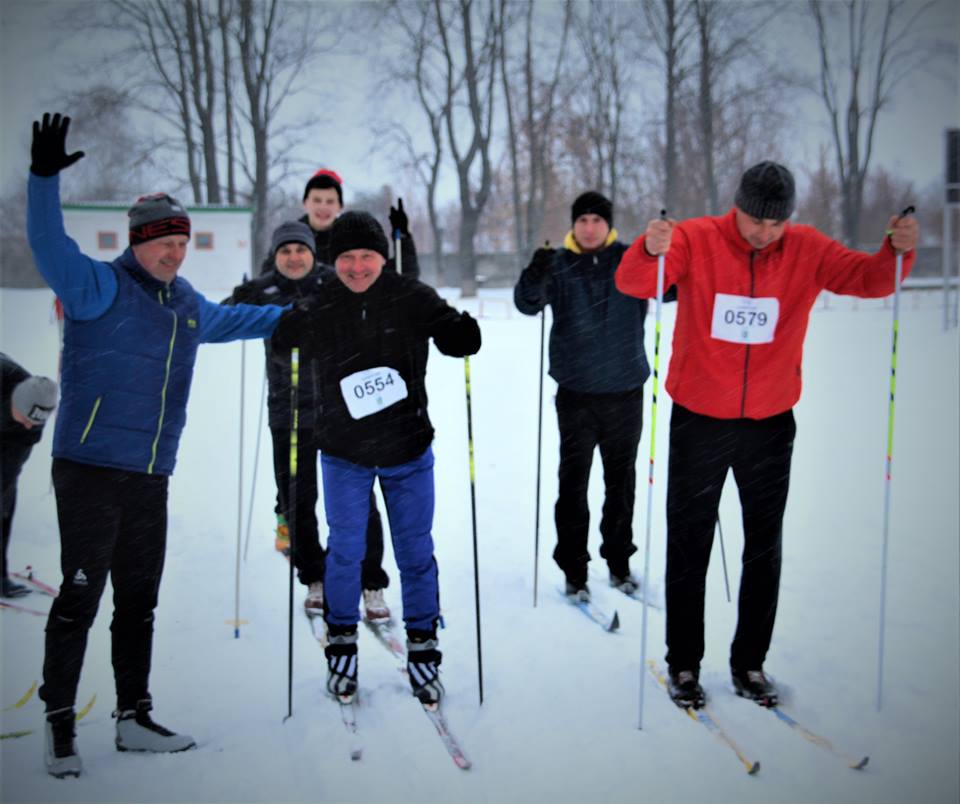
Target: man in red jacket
{"points": [[746, 282]]}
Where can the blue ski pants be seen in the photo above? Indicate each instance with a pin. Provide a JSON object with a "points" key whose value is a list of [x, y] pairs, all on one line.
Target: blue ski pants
{"points": [[409, 496]]}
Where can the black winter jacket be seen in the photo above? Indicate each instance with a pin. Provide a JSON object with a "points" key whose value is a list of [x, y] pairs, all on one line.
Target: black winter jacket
{"points": [[274, 288], [388, 326], [596, 341]]}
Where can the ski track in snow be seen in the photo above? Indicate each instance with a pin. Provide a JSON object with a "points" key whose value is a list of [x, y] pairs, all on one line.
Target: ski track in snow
{"points": [[560, 713]]}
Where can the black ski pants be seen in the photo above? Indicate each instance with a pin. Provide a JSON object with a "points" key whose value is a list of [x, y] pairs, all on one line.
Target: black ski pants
{"points": [[13, 455], [702, 449], [308, 556], [613, 423], [112, 522]]}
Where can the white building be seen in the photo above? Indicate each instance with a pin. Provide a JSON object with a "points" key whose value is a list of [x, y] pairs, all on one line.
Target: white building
{"points": [[219, 253]]}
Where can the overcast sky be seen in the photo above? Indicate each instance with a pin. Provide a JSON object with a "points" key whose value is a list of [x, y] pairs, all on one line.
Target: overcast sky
{"points": [[37, 61]]}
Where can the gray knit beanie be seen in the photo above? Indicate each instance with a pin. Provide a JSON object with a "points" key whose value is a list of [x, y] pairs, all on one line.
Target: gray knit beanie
{"points": [[35, 398], [293, 232], [767, 191], [157, 215], [357, 230]]}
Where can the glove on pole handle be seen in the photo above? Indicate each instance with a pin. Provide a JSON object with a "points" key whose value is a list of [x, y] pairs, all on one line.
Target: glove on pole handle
{"points": [[653, 448], [292, 511], [889, 466], [536, 525]]}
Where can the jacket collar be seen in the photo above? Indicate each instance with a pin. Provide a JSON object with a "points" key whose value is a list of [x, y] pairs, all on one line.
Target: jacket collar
{"points": [[570, 242]]}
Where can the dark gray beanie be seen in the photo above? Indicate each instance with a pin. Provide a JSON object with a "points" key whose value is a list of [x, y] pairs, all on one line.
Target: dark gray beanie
{"points": [[357, 230], [35, 398], [592, 203], [767, 191], [157, 215], [293, 232]]}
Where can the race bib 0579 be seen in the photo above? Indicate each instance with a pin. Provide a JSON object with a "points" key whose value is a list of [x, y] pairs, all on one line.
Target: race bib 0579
{"points": [[743, 319], [371, 390]]}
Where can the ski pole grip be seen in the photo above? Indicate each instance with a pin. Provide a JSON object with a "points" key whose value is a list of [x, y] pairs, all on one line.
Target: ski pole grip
{"points": [[663, 214]]}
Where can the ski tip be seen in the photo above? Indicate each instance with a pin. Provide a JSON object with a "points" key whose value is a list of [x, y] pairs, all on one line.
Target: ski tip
{"points": [[463, 763], [752, 769], [356, 755], [615, 622], [861, 764]]}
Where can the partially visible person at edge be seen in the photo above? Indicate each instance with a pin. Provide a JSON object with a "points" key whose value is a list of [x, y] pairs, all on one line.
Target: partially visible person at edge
{"points": [[598, 360], [369, 334], [25, 404], [130, 343], [746, 283], [297, 276]]}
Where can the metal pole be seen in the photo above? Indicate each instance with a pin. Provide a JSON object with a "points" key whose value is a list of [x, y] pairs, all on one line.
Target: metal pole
{"points": [[473, 511]]}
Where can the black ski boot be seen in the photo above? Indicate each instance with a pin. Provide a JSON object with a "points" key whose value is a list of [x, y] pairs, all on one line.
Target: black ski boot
{"points": [[755, 685], [685, 690], [341, 654], [61, 756], [423, 663]]}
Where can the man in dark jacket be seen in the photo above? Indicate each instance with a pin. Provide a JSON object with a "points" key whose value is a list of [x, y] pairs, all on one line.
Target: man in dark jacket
{"points": [[25, 404], [132, 329], [369, 334], [296, 276], [323, 202], [598, 360]]}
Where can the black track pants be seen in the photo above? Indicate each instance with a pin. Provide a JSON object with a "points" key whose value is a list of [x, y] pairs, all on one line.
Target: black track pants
{"points": [[112, 522], [702, 449]]}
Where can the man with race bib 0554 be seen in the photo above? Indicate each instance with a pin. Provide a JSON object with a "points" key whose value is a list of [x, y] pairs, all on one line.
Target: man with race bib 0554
{"points": [[369, 334], [746, 282]]}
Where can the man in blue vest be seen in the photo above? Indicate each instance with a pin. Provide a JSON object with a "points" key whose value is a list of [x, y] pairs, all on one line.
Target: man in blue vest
{"points": [[132, 328]]}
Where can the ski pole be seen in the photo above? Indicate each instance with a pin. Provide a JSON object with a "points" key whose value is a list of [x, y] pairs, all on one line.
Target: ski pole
{"points": [[536, 525], [243, 385], [473, 512], [889, 467], [292, 512], [723, 559], [653, 449], [256, 463], [398, 255]]}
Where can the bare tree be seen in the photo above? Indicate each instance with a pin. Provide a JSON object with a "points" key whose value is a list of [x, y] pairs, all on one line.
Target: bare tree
{"points": [[469, 73], [855, 87], [670, 27]]}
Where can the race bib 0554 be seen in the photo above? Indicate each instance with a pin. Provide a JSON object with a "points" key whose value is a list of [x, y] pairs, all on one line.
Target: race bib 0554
{"points": [[371, 390], [743, 319]]}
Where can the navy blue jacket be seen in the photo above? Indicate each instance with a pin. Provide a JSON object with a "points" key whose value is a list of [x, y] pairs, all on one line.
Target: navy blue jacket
{"points": [[596, 341], [130, 343]]}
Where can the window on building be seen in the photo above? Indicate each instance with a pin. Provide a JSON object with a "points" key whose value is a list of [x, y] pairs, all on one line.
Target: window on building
{"points": [[203, 241], [107, 241]]}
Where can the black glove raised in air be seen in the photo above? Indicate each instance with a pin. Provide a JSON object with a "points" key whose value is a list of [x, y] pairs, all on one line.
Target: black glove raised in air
{"points": [[398, 219], [48, 150]]}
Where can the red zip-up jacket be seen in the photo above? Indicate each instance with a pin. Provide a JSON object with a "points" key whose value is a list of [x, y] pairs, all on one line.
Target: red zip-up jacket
{"points": [[710, 373]]}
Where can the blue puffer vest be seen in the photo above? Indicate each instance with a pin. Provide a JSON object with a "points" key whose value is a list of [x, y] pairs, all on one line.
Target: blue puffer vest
{"points": [[126, 375]]}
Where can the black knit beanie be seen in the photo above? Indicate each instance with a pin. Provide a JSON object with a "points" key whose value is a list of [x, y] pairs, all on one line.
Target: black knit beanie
{"points": [[357, 230], [322, 180], [592, 203], [767, 191]]}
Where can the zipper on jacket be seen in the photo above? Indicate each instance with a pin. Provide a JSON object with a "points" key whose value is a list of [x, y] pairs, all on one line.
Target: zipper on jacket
{"points": [[163, 391], [93, 415], [746, 358]]}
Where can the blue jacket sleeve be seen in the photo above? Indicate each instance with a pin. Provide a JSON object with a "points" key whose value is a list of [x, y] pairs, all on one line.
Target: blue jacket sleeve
{"points": [[87, 287], [221, 323]]}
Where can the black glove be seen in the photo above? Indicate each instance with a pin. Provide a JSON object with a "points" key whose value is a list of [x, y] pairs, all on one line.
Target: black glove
{"points": [[48, 150], [398, 219], [542, 258], [292, 327]]}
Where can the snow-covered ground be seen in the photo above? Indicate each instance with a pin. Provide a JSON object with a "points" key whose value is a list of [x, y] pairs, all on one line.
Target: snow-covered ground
{"points": [[560, 712]]}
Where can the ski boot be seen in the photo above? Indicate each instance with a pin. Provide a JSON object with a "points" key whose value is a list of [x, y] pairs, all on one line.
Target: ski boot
{"points": [[136, 731], [755, 685], [423, 662], [685, 690], [341, 652]]}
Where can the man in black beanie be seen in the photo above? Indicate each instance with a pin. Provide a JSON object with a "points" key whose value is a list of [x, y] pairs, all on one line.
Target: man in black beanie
{"points": [[598, 360], [369, 334], [746, 282]]}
